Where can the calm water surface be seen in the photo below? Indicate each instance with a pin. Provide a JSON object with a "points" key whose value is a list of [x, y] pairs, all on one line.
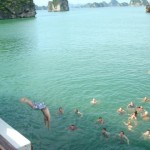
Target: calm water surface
{"points": [[66, 59]]}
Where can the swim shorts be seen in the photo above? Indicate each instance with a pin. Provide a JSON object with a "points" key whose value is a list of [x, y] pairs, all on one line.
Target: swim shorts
{"points": [[39, 106]]}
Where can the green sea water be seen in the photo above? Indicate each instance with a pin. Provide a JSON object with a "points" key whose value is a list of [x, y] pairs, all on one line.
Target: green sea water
{"points": [[66, 59]]}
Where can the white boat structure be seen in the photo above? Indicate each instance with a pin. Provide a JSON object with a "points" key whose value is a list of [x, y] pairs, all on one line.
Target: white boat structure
{"points": [[11, 139]]}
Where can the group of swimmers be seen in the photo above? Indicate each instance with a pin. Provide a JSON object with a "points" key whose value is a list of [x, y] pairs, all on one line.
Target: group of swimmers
{"points": [[123, 137], [104, 132], [100, 120], [134, 115], [132, 118]]}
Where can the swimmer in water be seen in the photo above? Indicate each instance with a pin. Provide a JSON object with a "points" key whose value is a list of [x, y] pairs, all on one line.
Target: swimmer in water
{"points": [[140, 109], [72, 127], [105, 133], [38, 106], [100, 120], [121, 111], [131, 105], [145, 99], [133, 116], [145, 115], [78, 112], [60, 111], [123, 137], [94, 101], [129, 125], [147, 134]]}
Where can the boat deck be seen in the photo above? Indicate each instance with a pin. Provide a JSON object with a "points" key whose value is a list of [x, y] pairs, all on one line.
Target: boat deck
{"points": [[11, 139], [5, 145]]}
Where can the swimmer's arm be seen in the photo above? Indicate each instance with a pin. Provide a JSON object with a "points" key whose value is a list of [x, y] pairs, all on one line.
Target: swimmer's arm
{"points": [[127, 140], [108, 134], [80, 113], [125, 123]]}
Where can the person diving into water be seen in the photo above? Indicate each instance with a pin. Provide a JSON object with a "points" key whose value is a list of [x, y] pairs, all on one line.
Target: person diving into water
{"points": [[38, 106]]}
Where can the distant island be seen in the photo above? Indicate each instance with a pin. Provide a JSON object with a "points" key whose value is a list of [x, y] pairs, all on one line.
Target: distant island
{"points": [[55, 6], [41, 7], [104, 4], [115, 3], [10, 9], [58, 5], [112, 3]]}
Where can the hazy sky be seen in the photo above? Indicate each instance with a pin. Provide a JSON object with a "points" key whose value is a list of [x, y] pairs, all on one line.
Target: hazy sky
{"points": [[45, 2]]}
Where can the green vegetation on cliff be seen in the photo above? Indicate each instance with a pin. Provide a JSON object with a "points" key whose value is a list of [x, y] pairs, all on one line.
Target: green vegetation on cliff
{"points": [[56, 2], [148, 8], [16, 8]]}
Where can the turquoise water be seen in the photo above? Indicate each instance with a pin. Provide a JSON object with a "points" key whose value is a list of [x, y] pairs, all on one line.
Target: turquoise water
{"points": [[66, 59]]}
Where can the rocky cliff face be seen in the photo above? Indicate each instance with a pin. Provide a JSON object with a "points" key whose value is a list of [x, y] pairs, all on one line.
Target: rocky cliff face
{"points": [[138, 2], [58, 5], [17, 9], [148, 8]]}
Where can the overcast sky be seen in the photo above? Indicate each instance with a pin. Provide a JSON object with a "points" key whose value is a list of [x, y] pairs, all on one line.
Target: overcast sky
{"points": [[45, 2]]}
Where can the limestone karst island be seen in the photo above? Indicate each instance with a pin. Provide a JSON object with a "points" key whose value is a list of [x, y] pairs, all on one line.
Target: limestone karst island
{"points": [[11, 9], [58, 5]]}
